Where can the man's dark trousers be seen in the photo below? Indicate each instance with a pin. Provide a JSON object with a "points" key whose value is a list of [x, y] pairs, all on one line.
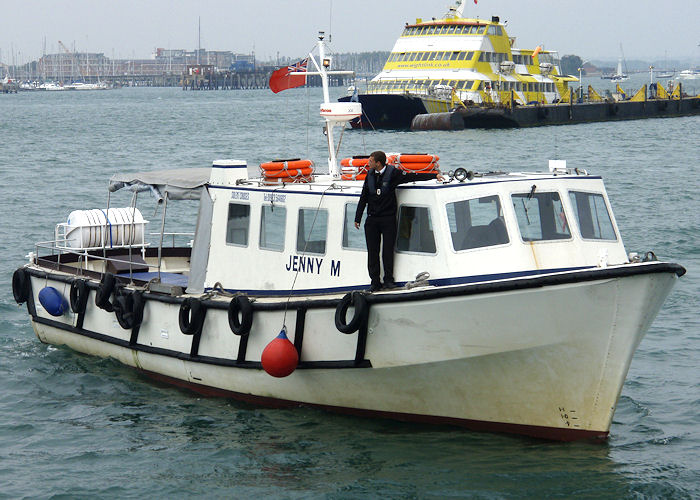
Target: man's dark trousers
{"points": [[384, 228]]}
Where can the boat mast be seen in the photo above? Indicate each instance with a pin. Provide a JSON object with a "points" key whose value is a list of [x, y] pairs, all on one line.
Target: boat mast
{"points": [[457, 11], [335, 113]]}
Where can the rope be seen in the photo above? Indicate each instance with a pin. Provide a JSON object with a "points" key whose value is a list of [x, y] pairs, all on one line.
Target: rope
{"points": [[303, 253]]}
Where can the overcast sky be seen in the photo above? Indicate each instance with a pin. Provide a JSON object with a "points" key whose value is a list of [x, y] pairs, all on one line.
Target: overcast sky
{"points": [[592, 29]]}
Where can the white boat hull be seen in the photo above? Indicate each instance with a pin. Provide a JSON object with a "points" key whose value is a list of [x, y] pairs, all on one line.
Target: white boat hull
{"points": [[542, 360]]}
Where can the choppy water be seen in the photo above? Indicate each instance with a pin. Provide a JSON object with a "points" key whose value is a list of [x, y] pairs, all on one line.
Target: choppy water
{"points": [[74, 426]]}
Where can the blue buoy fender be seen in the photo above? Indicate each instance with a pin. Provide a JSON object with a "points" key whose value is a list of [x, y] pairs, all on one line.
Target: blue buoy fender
{"points": [[53, 301]]}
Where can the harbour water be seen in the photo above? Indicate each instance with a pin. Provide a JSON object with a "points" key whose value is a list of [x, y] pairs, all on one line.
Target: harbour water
{"points": [[76, 426]]}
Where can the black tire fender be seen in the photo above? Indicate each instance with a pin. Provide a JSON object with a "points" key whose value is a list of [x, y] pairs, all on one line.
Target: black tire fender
{"points": [[240, 304], [104, 292], [21, 285], [359, 302], [78, 295], [128, 308], [191, 316]]}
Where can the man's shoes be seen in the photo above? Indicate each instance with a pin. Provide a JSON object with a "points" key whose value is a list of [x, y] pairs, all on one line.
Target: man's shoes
{"points": [[389, 285], [375, 287]]}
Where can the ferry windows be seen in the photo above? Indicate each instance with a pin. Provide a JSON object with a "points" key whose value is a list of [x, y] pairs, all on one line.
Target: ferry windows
{"points": [[454, 56], [415, 231], [540, 216], [473, 29], [481, 30], [592, 216], [441, 30], [237, 224], [431, 30], [311, 231], [451, 30], [354, 238], [431, 56], [476, 223], [272, 224]]}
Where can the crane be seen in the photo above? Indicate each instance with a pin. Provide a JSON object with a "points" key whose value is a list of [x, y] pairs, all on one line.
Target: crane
{"points": [[75, 61]]}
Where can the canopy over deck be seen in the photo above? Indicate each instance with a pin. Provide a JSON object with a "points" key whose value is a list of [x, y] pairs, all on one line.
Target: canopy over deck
{"points": [[179, 184]]}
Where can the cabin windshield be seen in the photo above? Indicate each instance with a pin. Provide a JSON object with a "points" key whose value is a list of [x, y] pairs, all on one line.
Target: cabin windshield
{"points": [[415, 230], [272, 223], [476, 223], [312, 230], [354, 239], [592, 216], [540, 216]]}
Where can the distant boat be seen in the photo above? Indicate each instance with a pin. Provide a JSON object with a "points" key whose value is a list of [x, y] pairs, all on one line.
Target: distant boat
{"points": [[689, 74], [665, 73], [53, 86], [619, 76]]}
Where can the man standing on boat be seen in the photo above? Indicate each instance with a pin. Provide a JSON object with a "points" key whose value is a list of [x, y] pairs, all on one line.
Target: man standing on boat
{"points": [[379, 195]]}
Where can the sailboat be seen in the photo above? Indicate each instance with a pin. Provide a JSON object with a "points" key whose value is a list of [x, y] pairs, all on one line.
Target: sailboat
{"points": [[619, 76]]}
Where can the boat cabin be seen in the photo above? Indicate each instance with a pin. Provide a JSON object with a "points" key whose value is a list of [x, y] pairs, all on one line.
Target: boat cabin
{"points": [[269, 239]]}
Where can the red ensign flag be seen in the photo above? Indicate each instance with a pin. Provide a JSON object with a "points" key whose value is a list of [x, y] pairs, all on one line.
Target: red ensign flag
{"points": [[282, 80]]}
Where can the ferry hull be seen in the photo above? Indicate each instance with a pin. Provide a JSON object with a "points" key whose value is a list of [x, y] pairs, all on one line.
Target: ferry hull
{"points": [[387, 111], [541, 357], [401, 112]]}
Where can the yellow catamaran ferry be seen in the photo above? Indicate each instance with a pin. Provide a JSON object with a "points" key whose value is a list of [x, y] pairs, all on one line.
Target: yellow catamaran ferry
{"points": [[458, 72]]}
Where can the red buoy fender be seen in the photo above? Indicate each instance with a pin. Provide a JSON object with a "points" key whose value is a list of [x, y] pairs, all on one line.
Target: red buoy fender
{"points": [[280, 358]]}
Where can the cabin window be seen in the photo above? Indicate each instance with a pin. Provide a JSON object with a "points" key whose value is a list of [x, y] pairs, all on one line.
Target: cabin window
{"points": [[592, 216], [415, 230], [492, 30], [477, 223], [451, 30], [312, 230], [431, 30], [272, 224], [354, 238], [454, 56], [481, 30], [540, 216], [237, 224]]}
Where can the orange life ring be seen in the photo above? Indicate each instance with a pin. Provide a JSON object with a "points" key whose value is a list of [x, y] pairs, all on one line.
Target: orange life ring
{"points": [[286, 164], [271, 181], [354, 162], [299, 172], [353, 177], [417, 167], [413, 158]]}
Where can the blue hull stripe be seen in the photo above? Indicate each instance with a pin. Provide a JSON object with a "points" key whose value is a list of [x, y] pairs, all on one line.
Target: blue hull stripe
{"points": [[461, 280]]}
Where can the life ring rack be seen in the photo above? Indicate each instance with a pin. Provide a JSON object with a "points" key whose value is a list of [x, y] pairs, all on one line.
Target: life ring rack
{"points": [[355, 168], [291, 170], [415, 162]]}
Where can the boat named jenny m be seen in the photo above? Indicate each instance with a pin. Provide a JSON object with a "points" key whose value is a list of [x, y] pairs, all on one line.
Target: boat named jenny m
{"points": [[517, 310]]}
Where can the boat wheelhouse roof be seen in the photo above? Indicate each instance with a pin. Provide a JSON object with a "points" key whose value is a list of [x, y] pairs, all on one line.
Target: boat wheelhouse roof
{"points": [[180, 183]]}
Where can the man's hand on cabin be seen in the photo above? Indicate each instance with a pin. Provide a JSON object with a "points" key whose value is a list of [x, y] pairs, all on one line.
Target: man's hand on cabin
{"points": [[357, 225], [440, 177]]}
